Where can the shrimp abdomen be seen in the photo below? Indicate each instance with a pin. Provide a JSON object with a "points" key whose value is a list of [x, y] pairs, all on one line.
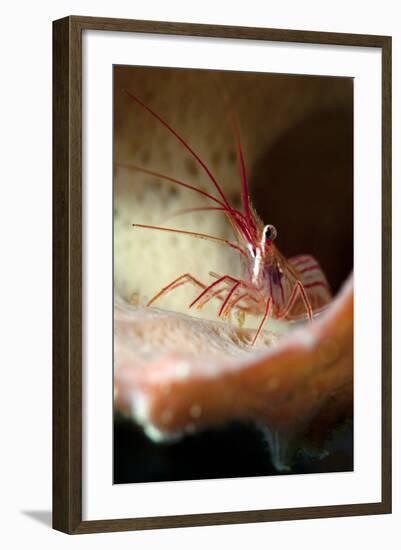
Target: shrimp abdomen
{"points": [[314, 281]]}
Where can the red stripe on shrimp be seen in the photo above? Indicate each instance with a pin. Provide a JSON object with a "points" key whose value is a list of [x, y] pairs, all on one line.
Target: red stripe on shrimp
{"points": [[299, 260], [314, 267], [316, 283]]}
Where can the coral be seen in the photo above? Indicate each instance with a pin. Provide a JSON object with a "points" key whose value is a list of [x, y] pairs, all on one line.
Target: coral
{"points": [[175, 374]]}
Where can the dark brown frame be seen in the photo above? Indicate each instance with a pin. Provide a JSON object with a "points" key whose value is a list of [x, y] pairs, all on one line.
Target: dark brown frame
{"points": [[67, 275]]}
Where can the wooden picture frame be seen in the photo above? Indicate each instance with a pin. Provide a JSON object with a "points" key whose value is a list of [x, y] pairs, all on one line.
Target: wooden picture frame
{"points": [[67, 273]]}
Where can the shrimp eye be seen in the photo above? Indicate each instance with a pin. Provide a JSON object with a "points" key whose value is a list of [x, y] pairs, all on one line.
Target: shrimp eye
{"points": [[270, 232]]}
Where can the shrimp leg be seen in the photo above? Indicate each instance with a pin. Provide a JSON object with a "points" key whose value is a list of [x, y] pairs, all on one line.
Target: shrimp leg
{"points": [[208, 296], [213, 285], [181, 280], [298, 290], [223, 313], [246, 296], [306, 301], [265, 316]]}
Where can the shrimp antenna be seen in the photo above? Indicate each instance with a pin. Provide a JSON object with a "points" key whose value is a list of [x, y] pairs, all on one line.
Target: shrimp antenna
{"points": [[198, 209], [182, 141], [234, 222], [172, 180], [238, 216], [192, 234], [233, 120]]}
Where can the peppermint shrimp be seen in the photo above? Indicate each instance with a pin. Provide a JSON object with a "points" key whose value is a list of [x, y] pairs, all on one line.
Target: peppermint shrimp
{"points": [[270, 285]]}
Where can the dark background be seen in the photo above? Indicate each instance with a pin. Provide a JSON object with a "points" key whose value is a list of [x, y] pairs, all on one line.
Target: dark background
{"points": [[237, 450]]}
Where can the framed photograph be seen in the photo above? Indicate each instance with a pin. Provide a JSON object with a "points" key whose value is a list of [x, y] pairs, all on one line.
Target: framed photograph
{"points": [[221, 274]]}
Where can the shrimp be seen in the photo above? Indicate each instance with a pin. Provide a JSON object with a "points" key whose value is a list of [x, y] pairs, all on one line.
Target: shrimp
{"points": [[270, 286]]}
